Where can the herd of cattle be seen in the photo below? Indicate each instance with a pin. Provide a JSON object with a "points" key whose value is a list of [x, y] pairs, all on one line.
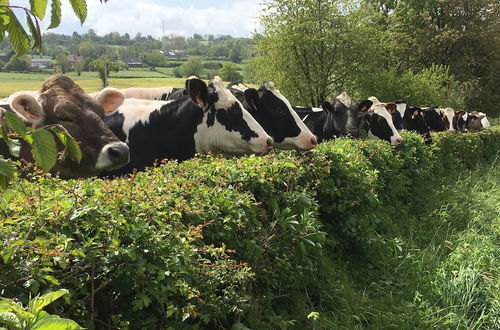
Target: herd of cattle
{"points": [[120, 131]]}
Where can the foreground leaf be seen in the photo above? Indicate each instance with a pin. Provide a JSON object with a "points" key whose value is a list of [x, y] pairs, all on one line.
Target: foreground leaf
{"points": [[55, 17], [38, 303], [69, 143], [10, 319], [18, 37], [80, 9], [15, 123], [56, 323], [44, 149], [38, 7]]}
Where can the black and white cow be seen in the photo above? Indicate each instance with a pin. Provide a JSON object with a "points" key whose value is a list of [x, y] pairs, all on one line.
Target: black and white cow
{"points": [[208, 119], [433, 118], [471, 121], [275, 114], [339, 118], [379, 125], [412, 119]]}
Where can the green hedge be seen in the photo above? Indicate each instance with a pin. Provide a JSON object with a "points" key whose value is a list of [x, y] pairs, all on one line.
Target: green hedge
{"points": [[216, 242]]}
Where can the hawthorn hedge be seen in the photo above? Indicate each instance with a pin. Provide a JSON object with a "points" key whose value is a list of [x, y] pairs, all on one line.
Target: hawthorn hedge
{"points": [[215, 242]]}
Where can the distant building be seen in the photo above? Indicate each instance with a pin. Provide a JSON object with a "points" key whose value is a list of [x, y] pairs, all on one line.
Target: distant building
{"points": [[172, 52], [134, 62], [40, 62], [73, 59]]}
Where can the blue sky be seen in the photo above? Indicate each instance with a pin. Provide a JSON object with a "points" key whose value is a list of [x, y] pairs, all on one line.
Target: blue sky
{"points": [[234, 17]]}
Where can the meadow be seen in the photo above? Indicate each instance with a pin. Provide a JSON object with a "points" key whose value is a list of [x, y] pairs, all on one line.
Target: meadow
{"points": [[11, 82]]}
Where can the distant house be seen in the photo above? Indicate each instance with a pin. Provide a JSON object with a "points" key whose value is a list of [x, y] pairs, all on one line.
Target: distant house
{"points": [[41, 62], [73, 59], [134, 62], [172, 52]]}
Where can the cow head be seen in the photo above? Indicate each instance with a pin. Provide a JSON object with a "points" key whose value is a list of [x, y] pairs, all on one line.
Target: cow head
{"points": [[448, 117], [432, 117], [354, 110], [379, 124], [62, 102], [274, 112], [228, 127]]}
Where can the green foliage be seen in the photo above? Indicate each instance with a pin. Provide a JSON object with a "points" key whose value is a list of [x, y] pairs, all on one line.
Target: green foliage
{"points": [[17, 317], [19, 64], [192, 67], [229, 72], [104, 65], [18, 37], [40, 141], [279, 241]]}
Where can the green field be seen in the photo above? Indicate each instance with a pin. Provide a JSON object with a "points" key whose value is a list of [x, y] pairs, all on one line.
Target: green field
{"points": [[11, 82]]}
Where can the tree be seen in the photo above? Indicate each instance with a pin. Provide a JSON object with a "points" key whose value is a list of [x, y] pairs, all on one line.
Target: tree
{"points": [[192, 67], [304, 48], [229, 72], [62, 62], [22, 63], [153, 59], [103, 65], [79, 65]]}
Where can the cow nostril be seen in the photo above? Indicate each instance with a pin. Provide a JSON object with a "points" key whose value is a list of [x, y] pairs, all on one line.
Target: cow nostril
{"points": [[399, 140], [118, 153], [269, 142], [314, 140]]}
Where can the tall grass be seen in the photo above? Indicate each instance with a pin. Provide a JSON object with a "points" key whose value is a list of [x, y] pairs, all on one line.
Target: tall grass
{"points": [[437, 271]]}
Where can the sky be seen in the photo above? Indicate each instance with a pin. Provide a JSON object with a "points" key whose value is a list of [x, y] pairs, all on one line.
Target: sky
{"points": [[237, 18]]}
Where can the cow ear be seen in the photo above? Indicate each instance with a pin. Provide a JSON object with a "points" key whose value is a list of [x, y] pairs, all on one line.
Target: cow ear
{"points": [[327, 107], [252, 98], [110, 99], [365, 105], [28, 108], [197, 90], [460, 113]]}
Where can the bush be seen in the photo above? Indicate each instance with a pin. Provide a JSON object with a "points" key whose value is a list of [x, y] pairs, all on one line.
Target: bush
{"points": [[221, 242]]}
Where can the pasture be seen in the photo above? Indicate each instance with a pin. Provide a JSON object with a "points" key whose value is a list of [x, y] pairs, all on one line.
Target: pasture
{"points": [[11, 82]]}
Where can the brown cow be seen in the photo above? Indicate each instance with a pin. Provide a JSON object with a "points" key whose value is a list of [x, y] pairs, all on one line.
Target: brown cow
{"points": [[63, 102]]}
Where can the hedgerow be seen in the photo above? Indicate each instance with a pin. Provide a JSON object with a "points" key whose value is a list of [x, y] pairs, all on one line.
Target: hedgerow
{"points": [[222, 242]]}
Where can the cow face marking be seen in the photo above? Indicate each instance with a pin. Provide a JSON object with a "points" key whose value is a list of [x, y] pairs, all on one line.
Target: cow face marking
{"points": [[232, 120]]}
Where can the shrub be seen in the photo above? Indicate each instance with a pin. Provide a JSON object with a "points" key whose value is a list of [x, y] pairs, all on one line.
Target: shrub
{"points": [[217, 242]]}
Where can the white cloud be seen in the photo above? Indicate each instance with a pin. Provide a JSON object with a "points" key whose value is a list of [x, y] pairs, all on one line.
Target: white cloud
{"points": [[238, 19]]}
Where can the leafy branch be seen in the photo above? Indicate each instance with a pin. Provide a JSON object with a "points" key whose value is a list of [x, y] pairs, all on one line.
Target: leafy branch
{"points": [[41, 140], [21, 40]]}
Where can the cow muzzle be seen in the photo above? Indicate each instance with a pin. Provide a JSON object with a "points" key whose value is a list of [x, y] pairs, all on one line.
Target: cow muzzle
{"points": [[112, 156]]}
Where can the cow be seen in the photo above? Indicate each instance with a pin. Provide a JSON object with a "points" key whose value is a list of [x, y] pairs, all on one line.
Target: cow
{"points": [[336, 119], [411, 120], [471, 121], [153, 93], [62, 102], [275, 114], [207, 119], [450, 118], [433, 119], [378, 123]]}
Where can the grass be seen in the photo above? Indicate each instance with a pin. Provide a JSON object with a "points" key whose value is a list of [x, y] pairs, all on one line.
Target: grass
{"points": [[439, 271], [89, 81]]}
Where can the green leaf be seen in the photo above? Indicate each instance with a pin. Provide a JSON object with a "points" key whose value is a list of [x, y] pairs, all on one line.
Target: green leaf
{"points": [[55, 17], [7, 168], [38, 303], [15, 123], [10, 319], [5, 304], [38, 7], [80, 9], [56, 323], [14, 146], [44, 149], [35, 32], [4, 18], [18, 37], [69, 143]]}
